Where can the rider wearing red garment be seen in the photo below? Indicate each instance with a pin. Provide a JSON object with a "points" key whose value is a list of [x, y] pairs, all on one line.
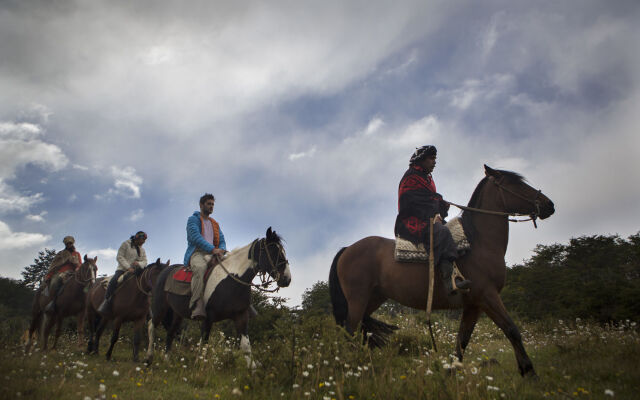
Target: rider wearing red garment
{"points": [[65, 260], [418, 201]]}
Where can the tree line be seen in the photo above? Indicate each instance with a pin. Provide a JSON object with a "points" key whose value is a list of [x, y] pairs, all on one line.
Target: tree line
{"points": [[592, 277]]}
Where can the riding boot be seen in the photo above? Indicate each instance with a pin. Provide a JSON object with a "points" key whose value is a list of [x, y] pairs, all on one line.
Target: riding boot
{"points": [[199, 312], [105, 306], [446, 269]]}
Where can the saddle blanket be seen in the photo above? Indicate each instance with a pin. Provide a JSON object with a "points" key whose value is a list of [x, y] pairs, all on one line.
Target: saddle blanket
{"points": [[406, 251]]}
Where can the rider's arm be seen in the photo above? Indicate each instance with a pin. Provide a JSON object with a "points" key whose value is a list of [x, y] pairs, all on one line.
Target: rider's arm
{"points": [[142, 260], [121, 258]]}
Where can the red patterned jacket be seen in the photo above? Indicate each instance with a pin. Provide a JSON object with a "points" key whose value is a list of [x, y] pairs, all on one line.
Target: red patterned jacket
{"points": [[417, 202]]}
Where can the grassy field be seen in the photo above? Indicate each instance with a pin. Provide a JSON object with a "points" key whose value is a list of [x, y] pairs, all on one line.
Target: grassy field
{"points": [[316, 360]]}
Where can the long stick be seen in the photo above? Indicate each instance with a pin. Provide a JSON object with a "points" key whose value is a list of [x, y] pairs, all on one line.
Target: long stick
{"points": [[430, 292]]}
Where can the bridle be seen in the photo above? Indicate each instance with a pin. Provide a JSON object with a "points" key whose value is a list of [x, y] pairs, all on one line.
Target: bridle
{"points": [[267, 277], [78, 275], [533, 215]]}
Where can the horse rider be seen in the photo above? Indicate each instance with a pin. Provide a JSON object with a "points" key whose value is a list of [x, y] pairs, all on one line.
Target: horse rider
{"points": [[131, 257], [65, 260], [205, 240], [418, 201]]}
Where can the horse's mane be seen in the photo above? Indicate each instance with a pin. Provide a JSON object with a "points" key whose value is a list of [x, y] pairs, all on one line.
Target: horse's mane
{"points": [[467, 224]]}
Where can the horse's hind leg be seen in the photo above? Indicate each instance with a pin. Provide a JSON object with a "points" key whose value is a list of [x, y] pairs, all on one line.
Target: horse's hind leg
{"points": [[470, 316], [80, 326], [498, 313], [35, 323]]}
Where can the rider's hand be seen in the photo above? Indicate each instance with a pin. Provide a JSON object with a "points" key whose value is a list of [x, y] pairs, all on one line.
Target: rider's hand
{"points": [[437, 219], [218, 252], [131, 269]]}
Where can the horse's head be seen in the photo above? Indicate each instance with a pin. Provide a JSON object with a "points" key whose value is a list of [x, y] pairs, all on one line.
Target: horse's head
{"points": [[273, 260], [151, 272], [517, 196], [88, 269]]}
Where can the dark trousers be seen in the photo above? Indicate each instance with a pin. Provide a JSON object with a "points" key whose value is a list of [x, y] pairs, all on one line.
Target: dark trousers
{"points": [[112, 284], [443, 244]]}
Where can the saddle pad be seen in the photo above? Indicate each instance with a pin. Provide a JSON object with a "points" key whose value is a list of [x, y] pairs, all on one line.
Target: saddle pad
{"points": [[178, 287], [183, 275], [406, 251]]}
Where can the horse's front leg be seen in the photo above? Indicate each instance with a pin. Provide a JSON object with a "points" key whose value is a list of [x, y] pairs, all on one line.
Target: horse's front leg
{"points": [[58, 331], [470, 316], [495, 309], [117, 323], [242, 329], [47, 323], [80, 326], [137, 337], [151, 331]]}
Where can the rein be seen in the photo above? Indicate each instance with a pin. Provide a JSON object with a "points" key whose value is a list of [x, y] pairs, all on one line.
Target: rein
{"points": [[264, 284], [532, 216]]}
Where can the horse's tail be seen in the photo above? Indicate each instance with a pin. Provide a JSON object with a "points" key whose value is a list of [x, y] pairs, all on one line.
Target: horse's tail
{"points": [[376, 332], [338, 301]]}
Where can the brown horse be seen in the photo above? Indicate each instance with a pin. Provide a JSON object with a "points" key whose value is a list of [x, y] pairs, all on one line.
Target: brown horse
{"points": [[70, 302], [227, 291], [130, 303], [365, 274]]}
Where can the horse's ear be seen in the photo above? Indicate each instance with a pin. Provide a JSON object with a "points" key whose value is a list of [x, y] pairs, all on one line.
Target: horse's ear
{"points": [[488, 171], [169, 262], [269, 233], [85, 257], [95, 258], [158, 260]]}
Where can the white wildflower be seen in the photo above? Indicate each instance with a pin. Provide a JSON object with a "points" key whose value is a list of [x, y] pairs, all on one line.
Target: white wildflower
{"points": [[102, 388], [489, 378], [609, 392], [309, 366], [138, 369], [295, 386], [489, 387], [116, 373], [474, 370], [305, 373]]}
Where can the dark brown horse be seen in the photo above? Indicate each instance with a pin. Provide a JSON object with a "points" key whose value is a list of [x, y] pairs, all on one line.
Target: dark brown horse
{"points": [[365, 274], [130, 303], [69, 302], [227, 291]]}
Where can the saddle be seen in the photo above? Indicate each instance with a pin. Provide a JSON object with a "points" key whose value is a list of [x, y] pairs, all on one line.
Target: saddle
{"points": [[121, 279], [179, 280], [407, 251], [65, 275]]}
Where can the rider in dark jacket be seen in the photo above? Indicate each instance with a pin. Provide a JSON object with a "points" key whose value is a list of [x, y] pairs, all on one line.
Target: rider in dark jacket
{"points": [[418, 201]]}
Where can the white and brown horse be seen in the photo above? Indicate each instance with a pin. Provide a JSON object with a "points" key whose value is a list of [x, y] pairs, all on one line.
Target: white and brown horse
{"points": [[227, 292]]}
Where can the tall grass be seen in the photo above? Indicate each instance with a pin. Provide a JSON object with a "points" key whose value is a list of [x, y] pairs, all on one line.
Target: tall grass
{"points": [[312, 358]]}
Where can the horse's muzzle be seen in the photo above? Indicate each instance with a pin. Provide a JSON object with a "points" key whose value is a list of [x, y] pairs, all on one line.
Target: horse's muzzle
{"points": [[547, 210]]}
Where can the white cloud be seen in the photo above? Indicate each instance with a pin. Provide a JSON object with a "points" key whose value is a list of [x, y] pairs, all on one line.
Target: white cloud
{"points": [[106, 260], [136, 215], [10, 201], [36, 217], [19, 240], [19, 147], [304, 154], [126, 182], [22, 130]]}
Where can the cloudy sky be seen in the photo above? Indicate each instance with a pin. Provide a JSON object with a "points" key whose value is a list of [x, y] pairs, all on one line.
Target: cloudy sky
{"points": [[117, 116]]}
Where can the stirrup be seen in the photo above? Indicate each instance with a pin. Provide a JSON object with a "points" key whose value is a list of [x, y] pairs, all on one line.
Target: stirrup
{"points": [[456, 274]]}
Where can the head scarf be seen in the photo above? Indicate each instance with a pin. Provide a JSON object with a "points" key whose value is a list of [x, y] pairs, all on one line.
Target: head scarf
{"points": [[421, 153], [68, 239]]}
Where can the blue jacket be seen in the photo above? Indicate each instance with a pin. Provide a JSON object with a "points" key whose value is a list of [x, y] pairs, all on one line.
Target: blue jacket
{"points": [[196, 240]]}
